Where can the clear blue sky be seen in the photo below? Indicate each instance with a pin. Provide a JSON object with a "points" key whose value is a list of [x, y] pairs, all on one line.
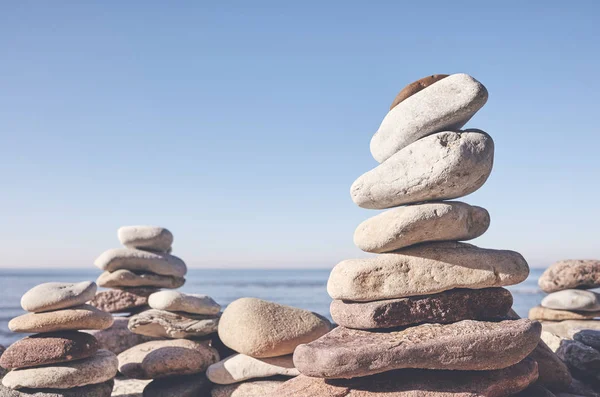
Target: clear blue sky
{"points": [[241, 125]]}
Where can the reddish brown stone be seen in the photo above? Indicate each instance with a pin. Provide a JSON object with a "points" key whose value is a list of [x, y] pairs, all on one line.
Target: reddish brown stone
{"points": [[122, 300], [553, 373], [582, 274], [417, 382], [415, 87], [465, 345], [49, 348], [445, 307]]}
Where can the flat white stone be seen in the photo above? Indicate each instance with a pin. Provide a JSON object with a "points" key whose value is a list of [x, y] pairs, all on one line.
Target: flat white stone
{"points": [[154, 238], [446, 105], [239, 367], [55, 296], [142, 261], [175, 301], [573, 299]]}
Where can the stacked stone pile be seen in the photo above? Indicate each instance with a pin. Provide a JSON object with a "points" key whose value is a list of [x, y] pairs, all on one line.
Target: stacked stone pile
{"points": [[570, 303], [58, 360], [427, 316], [264, 335]]}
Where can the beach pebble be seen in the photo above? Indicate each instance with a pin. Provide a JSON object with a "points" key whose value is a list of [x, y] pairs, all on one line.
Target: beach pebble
{"points": [[543, 313], [179, 386], [565, 328], [122, 300], [417, 382], [73, 319], [573, 299], [415, 87], [55, 296], [551, 340], [153, 238], [98, 390], [349, 353], [582, 360], [99, 368], [256, 388], [443, 166], [588, 337], [161, 323], [578, 388], [571, 274], [124, 278], [446, 105], [413, 224], [445, 307], [118, 338], [260, 329], [159, 359], [424, 270], [175, 301], [553, 373], [239, 367], [49, 348], [141, 261]]}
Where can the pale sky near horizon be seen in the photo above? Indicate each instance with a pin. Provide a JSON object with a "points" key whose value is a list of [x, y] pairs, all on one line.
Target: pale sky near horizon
{"points": [[240, 126]]}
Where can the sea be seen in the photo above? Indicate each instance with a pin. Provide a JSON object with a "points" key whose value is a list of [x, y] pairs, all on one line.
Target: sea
{"points": [[304, 288]]}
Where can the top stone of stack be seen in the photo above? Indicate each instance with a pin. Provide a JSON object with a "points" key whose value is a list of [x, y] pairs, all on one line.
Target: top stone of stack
{"points": [[153, 238]]}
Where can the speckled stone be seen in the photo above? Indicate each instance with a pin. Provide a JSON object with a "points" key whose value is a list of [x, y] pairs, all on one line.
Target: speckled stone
{"points": [[141, 261], [98, 390], [175, 301], [154, 238], [55, 296], [122, 300], [124, 278], [73, 319], [161, 323], [571, 274], [588, 337]]}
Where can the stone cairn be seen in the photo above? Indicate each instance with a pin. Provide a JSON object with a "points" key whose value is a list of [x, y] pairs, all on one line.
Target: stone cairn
{"points": [[132, 274], [263, 336], [569, 316], [427, 316], [58, 360]]}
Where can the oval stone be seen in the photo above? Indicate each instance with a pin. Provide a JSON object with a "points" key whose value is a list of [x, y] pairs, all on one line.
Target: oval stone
{"points": [[124, 278], [413, 224], [415, 87], [446, 105], [55, 296], [122, 300], [99, 368], [571, 274], [259, 328], [161, 323], [573, 299], [543, 313], [73, 319], [49, 348], [424, 270], [175, 301], [163, 358], [141, 261], [98, 390], [240, 367], [443, 166], [154, 238]]}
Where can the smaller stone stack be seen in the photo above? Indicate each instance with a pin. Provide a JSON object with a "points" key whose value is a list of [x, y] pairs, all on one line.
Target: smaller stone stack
{"points": [[178, 365], [570, 304], [58, 360], [264, 336]]}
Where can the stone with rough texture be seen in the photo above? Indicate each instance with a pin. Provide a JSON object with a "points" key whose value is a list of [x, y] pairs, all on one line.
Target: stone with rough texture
{"points": [[98, 390], [256, 388], [141, 261], [122, 300], [543, 313], [159, 359], [567, 327], [443, 166], [417, 383], [424, 270], [419, 223], [118, 338], [49, 348], [582, 360], [153, 238], [124, 278], [588, 337], [446, 105], [573, 299], [240, 367], [55, 296], [261, 329], [446, 307], [175, 301], [553, 373], [160, 323], [99, 368], [179, 386], [73, 319], [571, 274], [465, 345], [415, 87]]}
